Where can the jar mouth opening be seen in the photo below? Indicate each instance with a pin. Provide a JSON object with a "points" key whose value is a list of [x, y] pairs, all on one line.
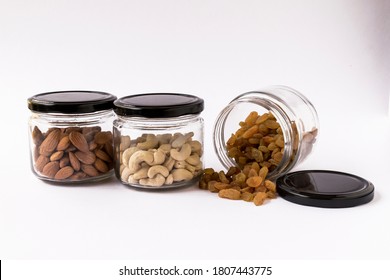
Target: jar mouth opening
{"points": [[220, 139], [299, 131]]}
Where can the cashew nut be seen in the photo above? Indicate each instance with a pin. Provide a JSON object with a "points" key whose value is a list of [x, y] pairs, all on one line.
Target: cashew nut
{"points": [[137, 158], [131, 180], [150, 143], [181, 175], [164, 138], [127, 154], [169, 180], [125, 174], [193, 159], [125, 143], [183, 164], [181, 139], [169, 163], [196, 147], [142, 173], [158, 169], [158, 181], [165, 148], [158, 157], [183, 154]]}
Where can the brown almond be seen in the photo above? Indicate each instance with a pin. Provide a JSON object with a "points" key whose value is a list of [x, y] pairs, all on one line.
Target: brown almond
{"points": [[103, 137], [109, 149], [78, 176], [51, 169], [56, 156], [71, 148], [100, 165], [103, 155], [92, 145], [63, 144], [64, 161], [87, 158], [78, 140], [89, 136], [64, 173], [41, 162], [37, 136], [89, 170], [89, 129], [74, 162], [70, 129], [50, 143]]}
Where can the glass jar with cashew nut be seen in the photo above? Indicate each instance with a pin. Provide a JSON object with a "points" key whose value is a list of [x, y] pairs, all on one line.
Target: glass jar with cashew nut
{"points": [[258, 137], [158, 140]]}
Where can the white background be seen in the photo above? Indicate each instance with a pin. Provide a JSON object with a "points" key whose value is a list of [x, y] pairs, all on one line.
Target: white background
{"points": [[337, 53]]}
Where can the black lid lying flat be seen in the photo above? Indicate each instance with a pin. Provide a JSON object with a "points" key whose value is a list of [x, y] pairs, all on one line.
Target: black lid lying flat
{"points": [[159, 105], [71, 102], [328, 189]]}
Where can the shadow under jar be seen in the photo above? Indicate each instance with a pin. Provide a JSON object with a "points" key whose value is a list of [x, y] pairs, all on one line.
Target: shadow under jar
{"points": [[71, 136], [158, 140]]}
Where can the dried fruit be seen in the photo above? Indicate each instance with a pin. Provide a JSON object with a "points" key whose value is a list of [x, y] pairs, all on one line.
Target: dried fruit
{"points": [[229, 193]]}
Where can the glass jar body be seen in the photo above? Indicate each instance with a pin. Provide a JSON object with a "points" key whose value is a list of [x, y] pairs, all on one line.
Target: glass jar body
{"points": [[71, 148], [294, 113], [158, 153]]}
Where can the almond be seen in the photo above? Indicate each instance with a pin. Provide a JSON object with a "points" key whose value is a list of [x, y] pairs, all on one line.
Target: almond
{"points": [[41, 162], [64, 161], [89, 170], [74, 162], [78, 176], [64, 173], [37, 136], [63, 144], [92, 145], [56, 156], [87, 158], [50, 143], [100, 165], [109, 149], [78, 140], [103, 155], [51, 169], [103, 137]]}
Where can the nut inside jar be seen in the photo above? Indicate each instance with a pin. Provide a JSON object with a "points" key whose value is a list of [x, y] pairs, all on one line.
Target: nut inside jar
{"points": [[159, 160], [72, 153]]}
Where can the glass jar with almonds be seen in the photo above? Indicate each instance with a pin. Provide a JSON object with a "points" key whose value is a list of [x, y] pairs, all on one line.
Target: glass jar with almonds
{"points": [[71, 136], [275, 128], [158, 140]]}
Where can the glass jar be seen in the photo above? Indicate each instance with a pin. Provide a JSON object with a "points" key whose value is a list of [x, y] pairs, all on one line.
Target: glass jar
{"points": [[158, 140], [71, 136], [296, 122]]}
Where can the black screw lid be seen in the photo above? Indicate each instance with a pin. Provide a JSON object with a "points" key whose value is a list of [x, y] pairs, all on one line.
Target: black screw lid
{"points": [[71, 102], [327, 189], [158, 105]]}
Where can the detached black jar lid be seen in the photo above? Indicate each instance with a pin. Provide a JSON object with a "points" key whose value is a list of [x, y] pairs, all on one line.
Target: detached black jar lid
{"points": [[159, 105], [71, 102], [327, 189]]}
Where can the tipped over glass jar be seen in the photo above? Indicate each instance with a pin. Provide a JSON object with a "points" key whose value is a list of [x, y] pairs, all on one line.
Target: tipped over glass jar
{"points": [[276, 127]]}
